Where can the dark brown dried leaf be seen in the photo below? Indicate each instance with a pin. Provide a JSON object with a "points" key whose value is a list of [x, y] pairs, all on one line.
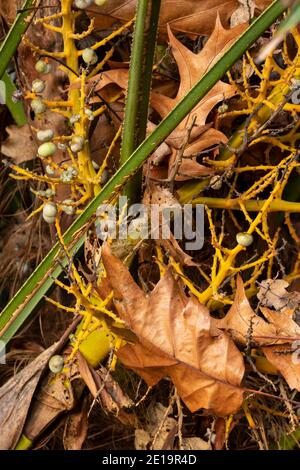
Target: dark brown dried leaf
{"points": [[176, 340], [15, 399]]}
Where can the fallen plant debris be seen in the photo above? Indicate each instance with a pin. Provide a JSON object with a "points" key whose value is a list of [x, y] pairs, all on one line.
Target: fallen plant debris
{"points": [[177, 327]]}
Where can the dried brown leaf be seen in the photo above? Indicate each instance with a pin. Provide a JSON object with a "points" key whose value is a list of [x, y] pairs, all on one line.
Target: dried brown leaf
{"points": [[189, 17], [20, 145], [190, 169], [163, 198], [287, 360], [273, 293], [242, 322], [15, 399], [8, 10], [107, 391], [176, 340], [284, 324], [76, 428], [192, 67], [208, 139], [86, 375], [55, 396], [243, 14]]}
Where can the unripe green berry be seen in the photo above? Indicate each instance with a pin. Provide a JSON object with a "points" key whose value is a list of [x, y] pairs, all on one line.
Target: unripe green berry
{"points": [[47, 150], [42, 67], [89, 56], [49, 193], [45, 136], [244, 239], [38, 86], [56, 364], [82, 4], [100, 2], [38, 106]]}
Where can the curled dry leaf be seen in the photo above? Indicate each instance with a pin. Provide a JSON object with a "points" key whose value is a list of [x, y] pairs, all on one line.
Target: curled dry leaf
{"points": [[191, 68], [76, 427], [86, 375], [189, 17], [190, 169], [107, 391], [278, 334], [243, 14], [179, 135], [55, 396], [242, 322], [19, 145], [273, 293], [15, 399], [176, 339], [285, 326], [286, 359]]}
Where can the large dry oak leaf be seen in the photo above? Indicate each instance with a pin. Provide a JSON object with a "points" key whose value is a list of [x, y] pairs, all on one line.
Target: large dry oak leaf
{"points": [[192, 67], [176, 340], [188, 16]]}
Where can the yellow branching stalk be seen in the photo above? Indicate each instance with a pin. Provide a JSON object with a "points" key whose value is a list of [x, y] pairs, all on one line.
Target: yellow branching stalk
{"points": [[85, 182], [80, 173]]}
